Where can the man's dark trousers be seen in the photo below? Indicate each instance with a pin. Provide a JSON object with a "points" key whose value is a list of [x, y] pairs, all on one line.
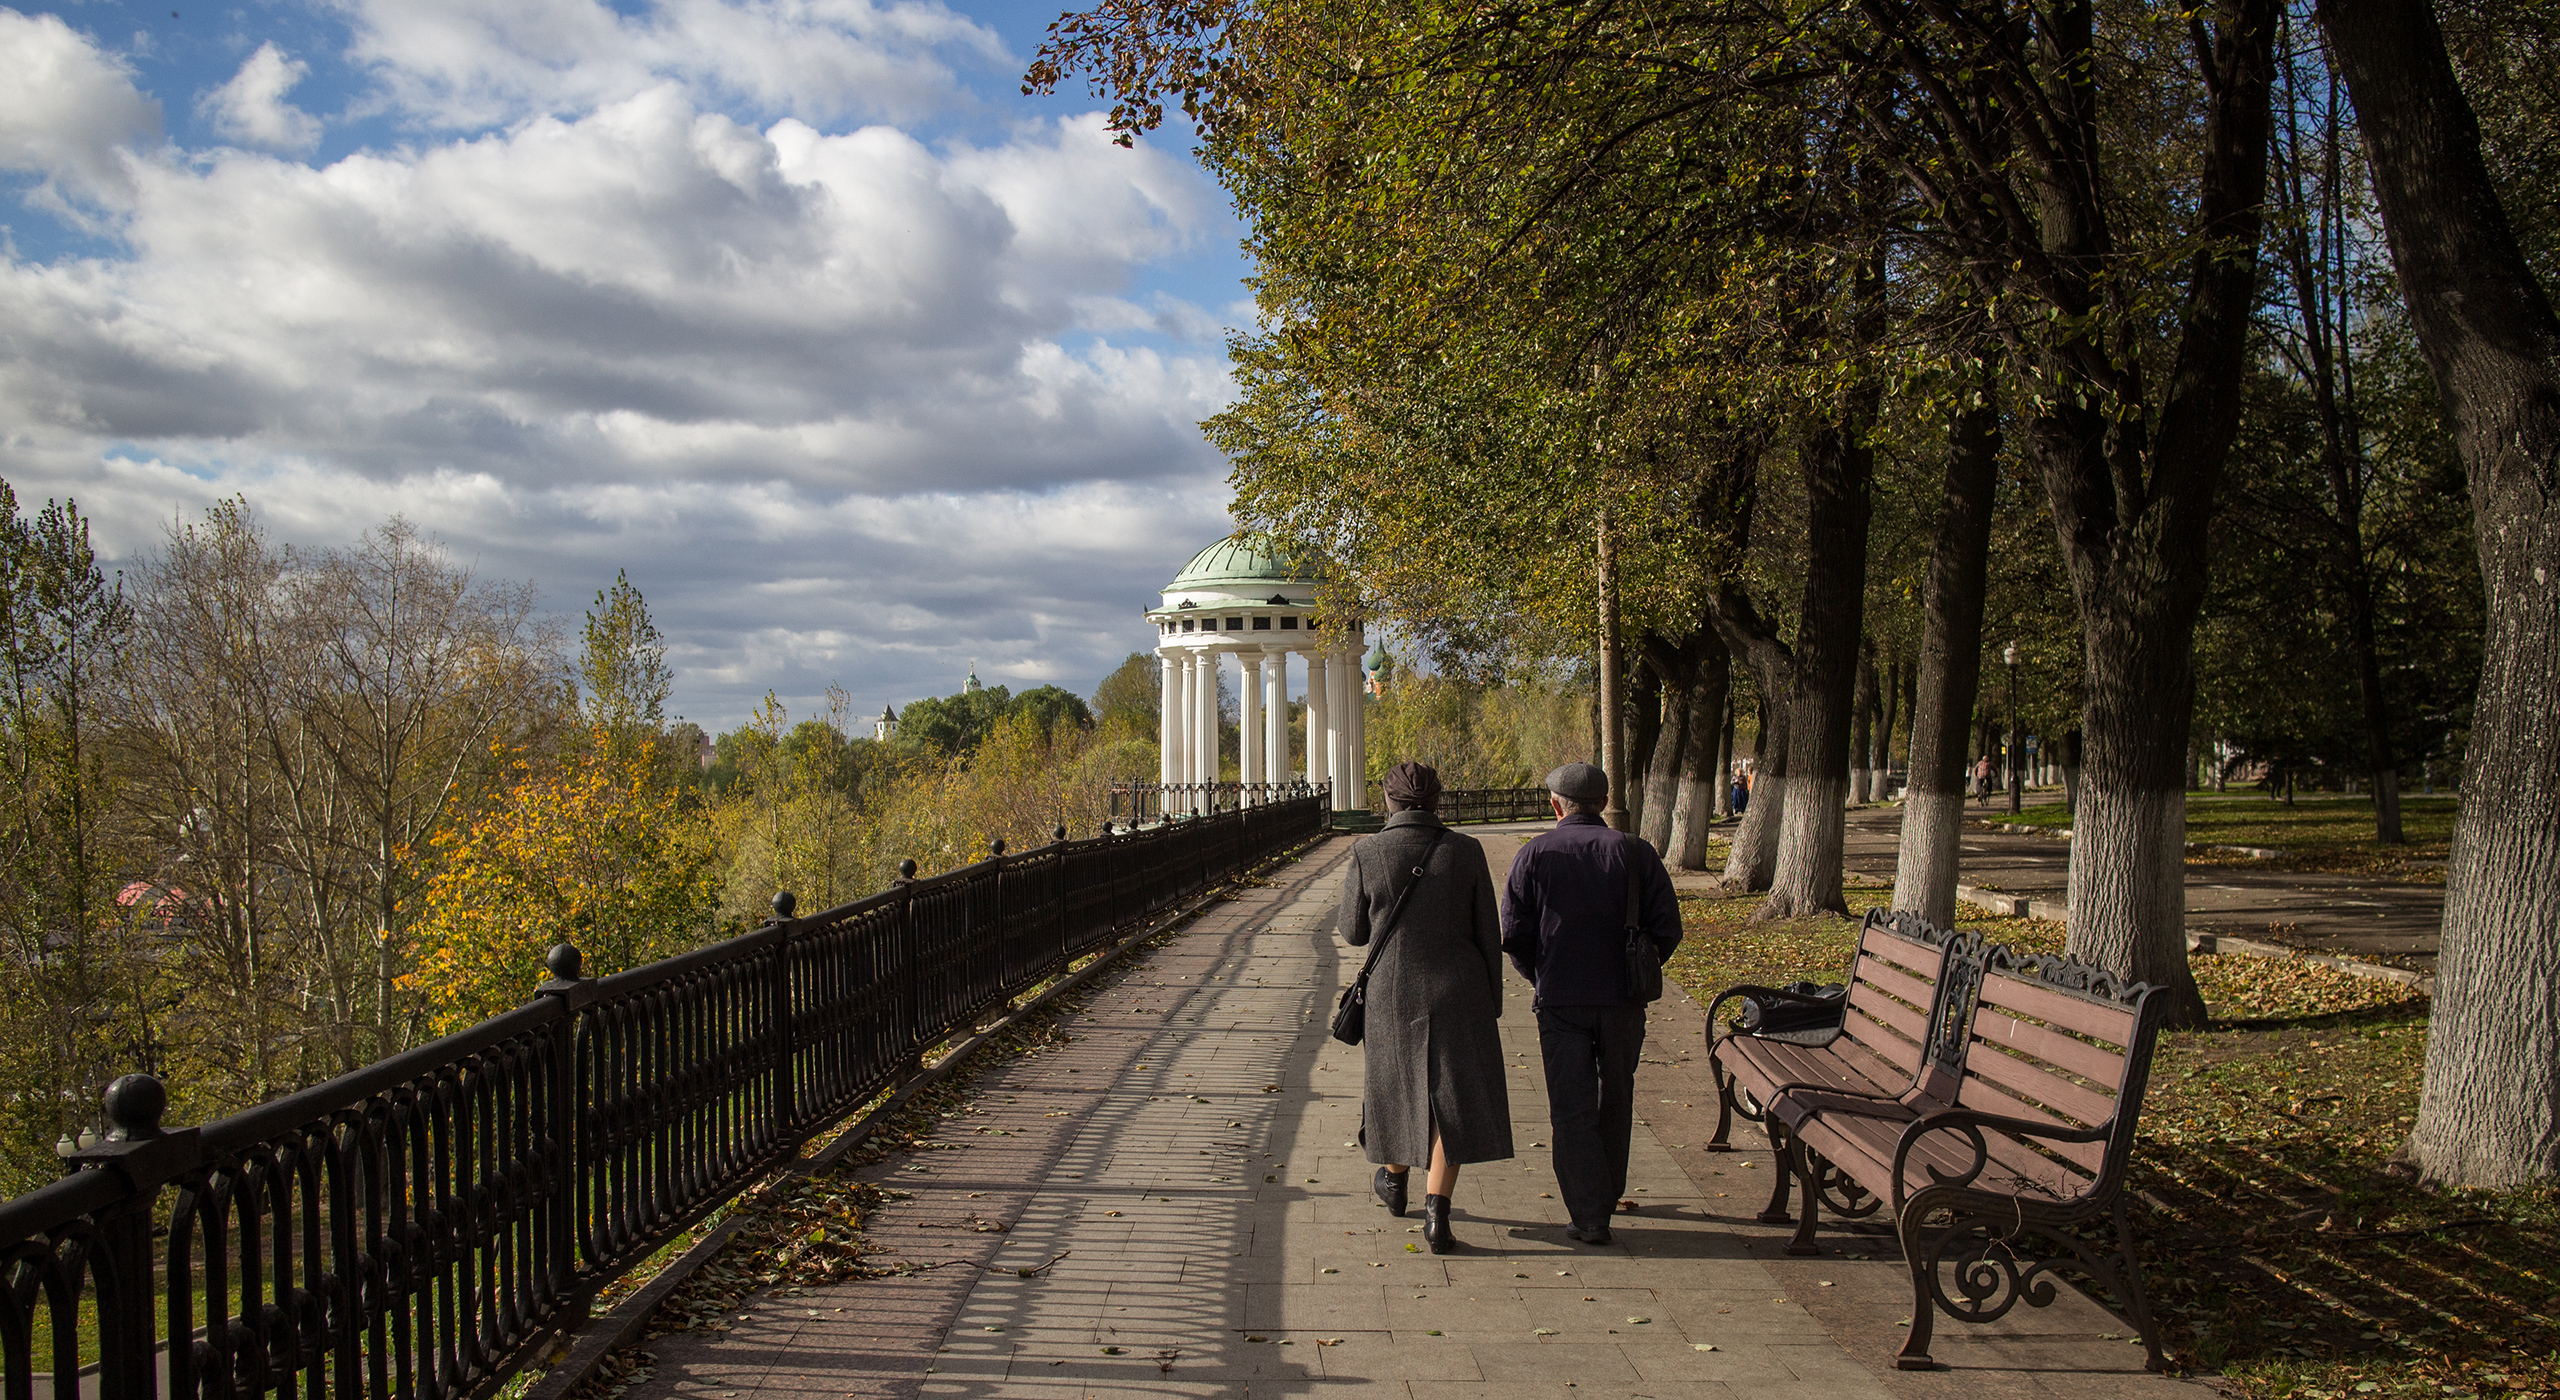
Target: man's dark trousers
{"points": [[1591, 1054]]}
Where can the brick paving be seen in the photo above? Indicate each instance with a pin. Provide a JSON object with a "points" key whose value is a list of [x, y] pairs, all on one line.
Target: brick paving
{"points": [[1181, 1182]]}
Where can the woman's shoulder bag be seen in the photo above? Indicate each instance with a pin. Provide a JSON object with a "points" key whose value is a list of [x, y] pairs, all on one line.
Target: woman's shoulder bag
{"points": [[1351, 1012]]}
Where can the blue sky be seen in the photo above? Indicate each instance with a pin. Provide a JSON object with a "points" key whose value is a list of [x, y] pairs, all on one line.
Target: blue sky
{"points": [[865, 366]]}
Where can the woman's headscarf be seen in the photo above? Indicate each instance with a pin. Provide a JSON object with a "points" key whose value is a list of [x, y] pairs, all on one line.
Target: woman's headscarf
{"points": [[1411, 784]]}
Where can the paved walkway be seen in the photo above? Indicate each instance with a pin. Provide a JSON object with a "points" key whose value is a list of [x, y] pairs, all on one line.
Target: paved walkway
{"points": [[1172, 1205]]}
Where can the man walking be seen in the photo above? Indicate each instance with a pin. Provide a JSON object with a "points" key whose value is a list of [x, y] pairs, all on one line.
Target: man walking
{"points": [[1565, 917]]}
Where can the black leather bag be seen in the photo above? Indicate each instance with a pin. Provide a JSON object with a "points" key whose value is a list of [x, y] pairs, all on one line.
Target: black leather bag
{"points": [[1644, 961], [1795, 1009], [1351, 1012]]}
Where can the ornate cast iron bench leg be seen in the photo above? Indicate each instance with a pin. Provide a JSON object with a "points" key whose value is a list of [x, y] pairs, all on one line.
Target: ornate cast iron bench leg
{"points": [[2137, 1299], [1781, 1153], [1923, 1264], [1807, 1169]]}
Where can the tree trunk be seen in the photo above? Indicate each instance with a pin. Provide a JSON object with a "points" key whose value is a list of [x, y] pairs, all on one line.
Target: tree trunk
{"points": [[1924, 875], [1724, 749], [2489, 1114], [1709, 732], [1862, 728], [1661, 738], [1889, 717], [1839, 466], [1613, 700], [1753, 861]]}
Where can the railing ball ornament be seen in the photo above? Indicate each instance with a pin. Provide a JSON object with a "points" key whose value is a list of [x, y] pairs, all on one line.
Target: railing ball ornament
{"points": [[906, 869], [564, 961], [997, 846], [134, 1106], [1060, 834], [783, 903]]}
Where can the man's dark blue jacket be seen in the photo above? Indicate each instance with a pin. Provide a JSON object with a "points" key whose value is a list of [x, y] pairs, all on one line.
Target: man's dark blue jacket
{"points": [[1564, 912]]}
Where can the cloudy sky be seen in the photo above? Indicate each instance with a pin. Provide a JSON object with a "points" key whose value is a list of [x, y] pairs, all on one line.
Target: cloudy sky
{"points": [[863, 365]]}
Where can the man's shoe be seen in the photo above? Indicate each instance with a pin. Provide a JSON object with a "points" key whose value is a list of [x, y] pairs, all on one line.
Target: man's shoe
{"points": [[1592, 1234], [1435, 1225], [1390, 1188]]}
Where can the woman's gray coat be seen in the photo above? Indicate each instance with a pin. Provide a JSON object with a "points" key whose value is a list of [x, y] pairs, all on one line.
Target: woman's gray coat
{"points": [[1433, 1049]]}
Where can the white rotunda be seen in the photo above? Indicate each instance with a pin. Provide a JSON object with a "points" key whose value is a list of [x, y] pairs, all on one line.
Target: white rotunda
{"points": [[1234, 600]]}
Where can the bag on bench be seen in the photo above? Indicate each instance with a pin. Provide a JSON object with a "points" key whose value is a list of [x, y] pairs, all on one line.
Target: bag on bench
{"points": [[1806, 1007]]}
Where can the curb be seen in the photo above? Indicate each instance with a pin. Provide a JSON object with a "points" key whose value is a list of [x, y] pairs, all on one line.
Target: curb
{"points": [[2009, 906]]}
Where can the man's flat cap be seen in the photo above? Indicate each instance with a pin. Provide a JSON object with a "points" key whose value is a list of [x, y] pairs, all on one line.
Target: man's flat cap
{"points": [[1579, 782]]}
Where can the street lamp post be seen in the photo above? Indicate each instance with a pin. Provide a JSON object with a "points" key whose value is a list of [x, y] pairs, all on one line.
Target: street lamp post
{"points": [[2017, 775]]}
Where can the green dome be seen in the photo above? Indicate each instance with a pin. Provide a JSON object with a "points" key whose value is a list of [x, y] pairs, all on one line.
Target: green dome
{"points": [[1231, 564]]}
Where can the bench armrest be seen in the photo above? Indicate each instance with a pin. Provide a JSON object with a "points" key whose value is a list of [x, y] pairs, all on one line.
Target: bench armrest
{"points": [[1969, 1123]]}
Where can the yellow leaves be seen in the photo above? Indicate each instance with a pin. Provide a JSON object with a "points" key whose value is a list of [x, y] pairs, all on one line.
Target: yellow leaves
{"points": [[584, 849]]}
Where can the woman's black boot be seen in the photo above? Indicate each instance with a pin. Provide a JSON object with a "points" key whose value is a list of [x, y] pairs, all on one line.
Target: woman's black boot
{"points": [[1390, 1188], [1435, 1225]]}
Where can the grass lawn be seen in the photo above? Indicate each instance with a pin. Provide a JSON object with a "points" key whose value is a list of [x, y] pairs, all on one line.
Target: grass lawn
{"points": [[2321, 833], [2276, 1251]]}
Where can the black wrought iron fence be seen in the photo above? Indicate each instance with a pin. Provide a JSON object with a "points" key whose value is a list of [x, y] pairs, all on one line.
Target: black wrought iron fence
{"points": [[417, 1229], [1146, 802], [1524, 804]]}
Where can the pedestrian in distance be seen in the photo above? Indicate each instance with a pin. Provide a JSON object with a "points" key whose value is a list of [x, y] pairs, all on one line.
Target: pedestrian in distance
{"points": [[1982, 779], [1432, 1090], [1583, 905]]}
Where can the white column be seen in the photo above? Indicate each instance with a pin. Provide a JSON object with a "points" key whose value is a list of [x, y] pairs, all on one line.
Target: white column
{"points": [[1169, 722], [1185, 676], [1275, 717], [1356, 733], [1337, 709], [1208, 720], [1318, 711], [1249, 721]]}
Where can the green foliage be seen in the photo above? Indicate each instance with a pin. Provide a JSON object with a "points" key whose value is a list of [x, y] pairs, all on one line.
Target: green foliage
{"points": [[953, 725], [1050, 706], [1476, 734], [1129, 702], [623, 664], [74, 971]]}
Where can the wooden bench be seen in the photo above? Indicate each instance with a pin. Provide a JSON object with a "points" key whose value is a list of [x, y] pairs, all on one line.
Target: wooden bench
{"points": [[2020, 1126], [1896, 996]]}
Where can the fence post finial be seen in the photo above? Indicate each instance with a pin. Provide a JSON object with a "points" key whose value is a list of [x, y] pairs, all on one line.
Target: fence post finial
{"points": [[783, 903], [564, 962], [134, 1105]]}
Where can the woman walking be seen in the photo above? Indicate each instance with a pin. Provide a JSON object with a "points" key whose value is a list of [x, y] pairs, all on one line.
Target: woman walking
{"points": [[1432, 1091]]}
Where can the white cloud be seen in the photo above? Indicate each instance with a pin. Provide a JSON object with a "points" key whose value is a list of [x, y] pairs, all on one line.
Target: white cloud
{"points": [[68, 111], [843, 403], [472, 64], [251, 108]]}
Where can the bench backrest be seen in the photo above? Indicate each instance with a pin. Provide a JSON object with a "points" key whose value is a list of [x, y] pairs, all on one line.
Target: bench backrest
{"points": [[2054, 1040], [1899, 993]]}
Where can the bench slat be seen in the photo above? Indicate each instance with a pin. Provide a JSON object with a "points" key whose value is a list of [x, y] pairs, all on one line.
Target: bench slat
{"points": [[1880, 981], [2016, 994], [1985, 1096], [2091, 1062], [1758, 1065], [1923, 960], [1892, 1030], [1863, 1146]]}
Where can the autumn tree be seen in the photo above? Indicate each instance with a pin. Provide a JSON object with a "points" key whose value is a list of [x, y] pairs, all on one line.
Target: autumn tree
{"points": [[585, 850]]}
